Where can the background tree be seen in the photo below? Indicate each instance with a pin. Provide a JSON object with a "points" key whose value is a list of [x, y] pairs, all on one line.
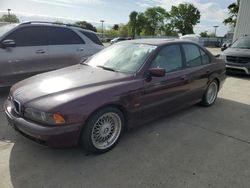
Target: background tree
{"points": [[12, 18], [124, 30], [155, 20], [133, 23], [204, 34], [58, 22], [116, 27], [141, 21], [233, 10], [85, 25], [184, 17], [170, 31]]}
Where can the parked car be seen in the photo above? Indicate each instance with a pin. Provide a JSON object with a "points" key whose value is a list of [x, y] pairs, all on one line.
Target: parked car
{"points": [[237, 56], [124, 85], [194, 38], [35, 47], [118, 39]]}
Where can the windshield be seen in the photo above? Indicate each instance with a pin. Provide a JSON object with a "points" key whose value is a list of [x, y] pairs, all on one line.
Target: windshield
{"points": [[122, 57], [5, 28], [242, 43]]}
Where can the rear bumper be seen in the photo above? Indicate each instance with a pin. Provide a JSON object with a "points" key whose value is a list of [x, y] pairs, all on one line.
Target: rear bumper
{"points": [[56, 137]]}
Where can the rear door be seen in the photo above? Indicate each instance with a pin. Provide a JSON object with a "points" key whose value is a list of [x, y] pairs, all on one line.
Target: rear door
{"points": [[65, 46], [198, 70], [165, 94], [29, 57]]}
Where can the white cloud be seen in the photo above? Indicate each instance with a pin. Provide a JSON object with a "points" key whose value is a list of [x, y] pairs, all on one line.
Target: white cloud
{"points": [[210, 11], [68, 3]]}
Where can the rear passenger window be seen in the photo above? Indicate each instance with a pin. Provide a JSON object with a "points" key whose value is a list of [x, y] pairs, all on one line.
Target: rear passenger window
{"points": [[169, 58], [29, 36], [205, 57], [92, 37], [192, 54], [62, 36]]}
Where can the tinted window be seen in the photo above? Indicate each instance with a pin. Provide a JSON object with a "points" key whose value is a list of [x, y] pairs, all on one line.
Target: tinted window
{"points": [[168, 58], [192, 54], [92, 37], [205, 57], [242, 43], [61, 36], [29, 36]]}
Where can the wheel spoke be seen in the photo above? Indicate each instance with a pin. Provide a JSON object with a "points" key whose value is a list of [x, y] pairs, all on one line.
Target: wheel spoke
{"points": [[106, 130]]}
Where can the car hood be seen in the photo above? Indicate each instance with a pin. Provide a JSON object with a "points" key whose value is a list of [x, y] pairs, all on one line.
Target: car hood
{"points": [[74, 78], [237, 52]]}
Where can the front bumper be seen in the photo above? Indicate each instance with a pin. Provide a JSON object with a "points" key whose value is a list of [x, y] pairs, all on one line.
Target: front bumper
{"points": [[56, 137], [237, 67]]}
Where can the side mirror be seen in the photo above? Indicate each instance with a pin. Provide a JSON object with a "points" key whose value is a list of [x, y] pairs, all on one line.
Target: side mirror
{"points": [[8, 43], [225, 46], [157, 72]]}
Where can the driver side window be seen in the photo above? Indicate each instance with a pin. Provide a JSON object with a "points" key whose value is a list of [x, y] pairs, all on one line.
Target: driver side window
{"points": [[169, 58]]}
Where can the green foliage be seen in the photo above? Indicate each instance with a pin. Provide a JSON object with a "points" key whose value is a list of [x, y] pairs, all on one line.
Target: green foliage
{"points": [[141, 22], [124, 31], [169, 31], [233, 10], [155, 18], [12, 18], [183, 17], [58, 22], [204, 34], [133, 22], [116, 27], [157, 21], [111, 33], [85, 25]]}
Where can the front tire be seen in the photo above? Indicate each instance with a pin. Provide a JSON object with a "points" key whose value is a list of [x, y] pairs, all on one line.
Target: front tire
{"points": [[103, 130], [211, 93]]}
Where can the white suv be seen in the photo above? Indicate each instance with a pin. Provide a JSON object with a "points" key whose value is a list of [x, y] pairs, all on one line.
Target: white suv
{"points": [[35, 47]]}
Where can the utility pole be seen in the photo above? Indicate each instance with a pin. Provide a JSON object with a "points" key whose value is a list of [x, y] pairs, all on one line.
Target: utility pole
{"points": [[9, 14], [215, 29], [102, 21]]}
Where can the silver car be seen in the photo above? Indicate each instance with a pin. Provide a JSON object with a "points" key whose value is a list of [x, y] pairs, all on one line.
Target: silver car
{"points": [[34, 47]]}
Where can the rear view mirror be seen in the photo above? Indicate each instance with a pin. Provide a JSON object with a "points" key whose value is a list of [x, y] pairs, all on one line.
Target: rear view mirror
{"points": [[157, 72], [8, 43]]}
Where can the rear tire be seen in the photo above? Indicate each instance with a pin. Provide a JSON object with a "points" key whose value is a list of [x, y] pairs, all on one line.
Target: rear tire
{"points": [[211, 93], [103, 130]]}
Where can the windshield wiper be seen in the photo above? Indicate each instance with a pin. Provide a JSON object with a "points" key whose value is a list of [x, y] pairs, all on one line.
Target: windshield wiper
{"points": [[106, 68], [83, 63]]}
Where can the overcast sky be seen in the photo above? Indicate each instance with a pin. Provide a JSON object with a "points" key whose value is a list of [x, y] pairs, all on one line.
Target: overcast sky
{"points": [[213, 12]]}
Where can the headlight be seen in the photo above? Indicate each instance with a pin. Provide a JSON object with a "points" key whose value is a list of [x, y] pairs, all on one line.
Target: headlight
{"points": [[44, 117]]}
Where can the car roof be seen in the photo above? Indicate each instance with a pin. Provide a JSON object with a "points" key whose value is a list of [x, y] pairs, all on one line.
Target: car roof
{"points": [[38, 23], [159, 42]]}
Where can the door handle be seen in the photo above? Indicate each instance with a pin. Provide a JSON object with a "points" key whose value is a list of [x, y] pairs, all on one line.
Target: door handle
{"points": [[184, 78], [40, 52], [80, 49], [208, 71]]}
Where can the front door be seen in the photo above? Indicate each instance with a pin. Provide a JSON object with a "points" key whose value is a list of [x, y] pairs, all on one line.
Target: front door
{"points": [[165, 94], [29, 57]]}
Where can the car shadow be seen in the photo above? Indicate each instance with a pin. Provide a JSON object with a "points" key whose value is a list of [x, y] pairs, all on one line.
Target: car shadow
{"points": [[240, 76], [132, 161]]}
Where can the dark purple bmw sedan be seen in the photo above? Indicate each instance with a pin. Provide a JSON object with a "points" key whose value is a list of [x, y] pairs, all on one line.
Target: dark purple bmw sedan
{"points": [[125, 85]]}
